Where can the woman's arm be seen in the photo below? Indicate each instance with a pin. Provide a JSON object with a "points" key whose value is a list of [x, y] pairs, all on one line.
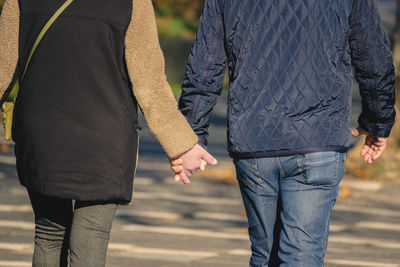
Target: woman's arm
{"points": [[146, 68], [9, 35]]}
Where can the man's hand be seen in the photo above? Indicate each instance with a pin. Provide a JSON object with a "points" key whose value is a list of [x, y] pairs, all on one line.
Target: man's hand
{"points": [[373, 147], [188, 163]]}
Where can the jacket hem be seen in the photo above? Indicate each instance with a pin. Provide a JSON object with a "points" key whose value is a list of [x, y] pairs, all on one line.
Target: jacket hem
{"points": [[286, 152], [66, 191]]}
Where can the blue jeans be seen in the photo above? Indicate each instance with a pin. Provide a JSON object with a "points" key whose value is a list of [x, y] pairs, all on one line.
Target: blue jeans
{"points": [[289, 201]]}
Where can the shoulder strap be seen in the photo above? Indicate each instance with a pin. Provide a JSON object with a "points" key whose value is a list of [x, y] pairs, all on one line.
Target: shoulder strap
{"points": [[14, 92]]}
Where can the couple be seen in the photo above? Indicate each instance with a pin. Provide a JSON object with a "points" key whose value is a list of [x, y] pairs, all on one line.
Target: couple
{"points": [[290, 69]]}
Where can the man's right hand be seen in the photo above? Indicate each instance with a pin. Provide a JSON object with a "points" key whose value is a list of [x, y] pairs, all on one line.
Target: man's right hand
{"points": [[187, 164], [373, 147]]}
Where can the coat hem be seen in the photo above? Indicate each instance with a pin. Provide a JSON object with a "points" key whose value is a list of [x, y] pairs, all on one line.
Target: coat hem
{"points": [[61, 190], [286, 152]]}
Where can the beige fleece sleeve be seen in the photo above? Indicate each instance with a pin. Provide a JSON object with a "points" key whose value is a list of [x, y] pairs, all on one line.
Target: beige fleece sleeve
{"points": [[9, 35], [146, 68]]}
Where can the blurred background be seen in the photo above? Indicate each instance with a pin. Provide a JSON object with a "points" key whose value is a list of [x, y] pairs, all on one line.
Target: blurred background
{"points": [[204, 224]]}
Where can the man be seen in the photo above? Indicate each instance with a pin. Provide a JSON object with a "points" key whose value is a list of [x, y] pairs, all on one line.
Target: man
{"points": [[290, 69]]}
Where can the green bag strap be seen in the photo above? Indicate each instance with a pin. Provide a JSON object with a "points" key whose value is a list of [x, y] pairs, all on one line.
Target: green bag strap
{"points": [[14, 92]]}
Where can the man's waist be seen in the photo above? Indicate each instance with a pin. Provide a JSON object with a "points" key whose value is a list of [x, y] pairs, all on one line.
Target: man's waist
{"points": [[285, 152]]}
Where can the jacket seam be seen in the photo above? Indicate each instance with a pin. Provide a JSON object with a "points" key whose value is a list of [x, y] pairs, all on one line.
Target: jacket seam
{"points": [[124, 161], [371, 85], [126, 121], [205, 74]]}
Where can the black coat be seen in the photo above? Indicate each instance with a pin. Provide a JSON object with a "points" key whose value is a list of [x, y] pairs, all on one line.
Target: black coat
{"points": [[75, 117]]}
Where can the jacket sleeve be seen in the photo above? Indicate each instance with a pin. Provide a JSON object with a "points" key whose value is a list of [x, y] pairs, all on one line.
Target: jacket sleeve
{"points": [[145, 64], [205, 71], [9, 36], [374, 70]]}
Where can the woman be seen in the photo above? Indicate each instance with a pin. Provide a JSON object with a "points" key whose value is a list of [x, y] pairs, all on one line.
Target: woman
{"points": [[75, 118]]}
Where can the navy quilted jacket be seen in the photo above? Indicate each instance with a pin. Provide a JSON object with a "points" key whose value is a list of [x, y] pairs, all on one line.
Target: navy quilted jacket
{"points": [[290, 71]]}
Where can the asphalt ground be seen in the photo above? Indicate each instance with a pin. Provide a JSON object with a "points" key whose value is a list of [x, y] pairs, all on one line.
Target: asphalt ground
{"points": [[203, 224]]}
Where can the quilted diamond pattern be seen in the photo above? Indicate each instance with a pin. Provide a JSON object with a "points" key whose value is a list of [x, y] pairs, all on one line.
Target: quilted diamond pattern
{"points": [[290, 72]]}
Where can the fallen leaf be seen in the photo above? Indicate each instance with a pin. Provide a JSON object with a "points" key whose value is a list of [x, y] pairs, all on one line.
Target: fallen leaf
{"points": [[345, 192]]}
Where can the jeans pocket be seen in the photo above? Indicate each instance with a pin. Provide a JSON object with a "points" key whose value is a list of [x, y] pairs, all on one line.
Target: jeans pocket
{"points": [[319, 168], [247, 171]]}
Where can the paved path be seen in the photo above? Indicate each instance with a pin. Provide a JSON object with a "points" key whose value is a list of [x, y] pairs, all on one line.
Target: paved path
{"points": [[203, 224]]}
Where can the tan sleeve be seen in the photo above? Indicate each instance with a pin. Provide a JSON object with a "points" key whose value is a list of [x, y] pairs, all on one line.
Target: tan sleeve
{"points": [[9, 35], [146, 68]]}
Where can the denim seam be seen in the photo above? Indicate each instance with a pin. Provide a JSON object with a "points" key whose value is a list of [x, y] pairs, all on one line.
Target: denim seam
{"points": [[243, 161], [253, 167], [335, 178], [257, 172], [336, 167], [321, 162], [283, 175], [300, 169]]}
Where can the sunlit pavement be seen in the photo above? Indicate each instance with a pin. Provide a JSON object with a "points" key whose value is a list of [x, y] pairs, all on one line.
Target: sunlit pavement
{"points": [[203, 224]]}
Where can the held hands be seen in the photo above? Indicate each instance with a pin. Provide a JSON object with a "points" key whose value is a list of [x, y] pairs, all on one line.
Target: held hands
{"points": [[187, 164], [373, 147]]}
